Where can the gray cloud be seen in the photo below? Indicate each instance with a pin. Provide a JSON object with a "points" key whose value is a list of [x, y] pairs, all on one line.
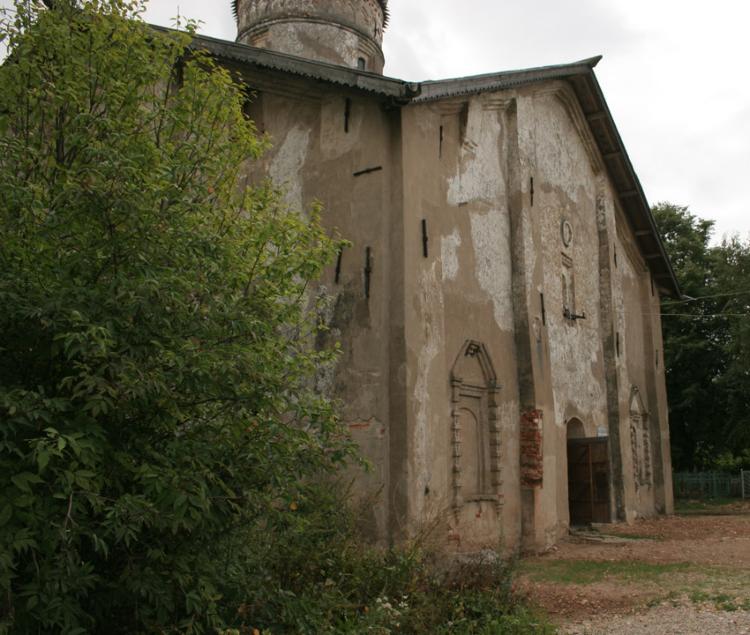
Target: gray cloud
{"points": [[477, 36]]}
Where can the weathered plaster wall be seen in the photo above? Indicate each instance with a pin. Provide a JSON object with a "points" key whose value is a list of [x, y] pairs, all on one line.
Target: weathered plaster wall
{"points": [[638, 324], [455, 165], [478, 319], [633, 345], [319, 142], [495, 177], [664, 493], [568, 228], [565, 192]]}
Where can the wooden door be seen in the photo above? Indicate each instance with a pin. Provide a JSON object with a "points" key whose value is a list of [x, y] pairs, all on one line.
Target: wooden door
{"points": [[588, 481]]}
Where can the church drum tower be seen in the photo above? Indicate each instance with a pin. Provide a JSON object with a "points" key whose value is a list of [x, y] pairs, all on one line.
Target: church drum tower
{"points": [[343, 32]]}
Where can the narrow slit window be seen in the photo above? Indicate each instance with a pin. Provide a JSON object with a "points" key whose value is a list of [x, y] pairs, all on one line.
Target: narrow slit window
{"points": [[568, 289], [531, 191], [347, 113]]}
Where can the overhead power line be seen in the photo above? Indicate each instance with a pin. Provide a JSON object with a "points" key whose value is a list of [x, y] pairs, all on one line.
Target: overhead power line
{"points": [[701, 316], [687, 300]]}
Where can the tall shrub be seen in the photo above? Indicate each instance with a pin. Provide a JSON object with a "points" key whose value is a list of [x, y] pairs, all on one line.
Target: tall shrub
{"points": [[155, 371]]}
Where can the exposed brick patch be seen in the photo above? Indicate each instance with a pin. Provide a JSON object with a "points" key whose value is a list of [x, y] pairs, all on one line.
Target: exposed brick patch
{"points": [[360, 425], [532, 468]]}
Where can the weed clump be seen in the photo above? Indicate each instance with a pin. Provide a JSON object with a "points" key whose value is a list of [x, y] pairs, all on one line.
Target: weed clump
{"points": [[317, 576]]}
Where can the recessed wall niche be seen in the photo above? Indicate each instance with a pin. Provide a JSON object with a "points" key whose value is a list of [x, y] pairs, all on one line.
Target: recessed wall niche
{"points": [[640, 439], [475, 429]]}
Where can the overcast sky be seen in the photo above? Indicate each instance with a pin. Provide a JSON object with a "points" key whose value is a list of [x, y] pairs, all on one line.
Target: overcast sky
{"points": [[674, 73]]}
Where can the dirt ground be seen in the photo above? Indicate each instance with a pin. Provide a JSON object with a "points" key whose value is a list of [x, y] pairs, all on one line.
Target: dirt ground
{"points": [[679, 574]]}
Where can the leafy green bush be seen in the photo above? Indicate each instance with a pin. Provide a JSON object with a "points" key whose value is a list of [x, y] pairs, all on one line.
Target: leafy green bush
{"points": [[155, 371]]}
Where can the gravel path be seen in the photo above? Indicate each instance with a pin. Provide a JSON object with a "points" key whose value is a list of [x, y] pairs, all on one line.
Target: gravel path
{"points": [[667, 620], [674, 575]]}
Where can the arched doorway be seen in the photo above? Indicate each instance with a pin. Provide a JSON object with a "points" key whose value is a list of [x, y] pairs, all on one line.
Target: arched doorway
{"points": [[588, 476]]}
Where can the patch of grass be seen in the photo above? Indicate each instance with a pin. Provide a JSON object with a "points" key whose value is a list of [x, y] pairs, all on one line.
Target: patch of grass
{"points": [[688, 506], [722, 601], [593, 571], [699, 597]]}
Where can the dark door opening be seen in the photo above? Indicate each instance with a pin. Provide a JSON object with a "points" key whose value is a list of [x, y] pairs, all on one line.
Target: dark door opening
{"points": [[588, 481]]}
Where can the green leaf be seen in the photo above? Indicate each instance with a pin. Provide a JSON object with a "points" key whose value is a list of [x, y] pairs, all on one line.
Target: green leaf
{"points": [[42, 459], [24, 481], [5, 514], [179, 501], [25, 501]]}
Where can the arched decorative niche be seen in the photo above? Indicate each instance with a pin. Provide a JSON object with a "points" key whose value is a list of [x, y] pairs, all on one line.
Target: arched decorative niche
{"points": [[476, 440], [640, 439]]}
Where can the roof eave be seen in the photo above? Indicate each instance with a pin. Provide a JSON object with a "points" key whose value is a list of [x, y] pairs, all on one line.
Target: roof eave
{"points": [[394, 89], [628, 186], [476, 84]]}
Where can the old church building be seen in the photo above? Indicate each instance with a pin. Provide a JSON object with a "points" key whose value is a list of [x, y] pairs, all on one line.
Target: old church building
{"points": [[498, 307]]}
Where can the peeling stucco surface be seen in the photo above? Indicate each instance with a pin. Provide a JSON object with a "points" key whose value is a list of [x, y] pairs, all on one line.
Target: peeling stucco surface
{"points": [[563, 152], [576, 360], [335, 141], [508, 416], [479, 175], [327, 43], [287, 165], [490, 234], [576, 354], [431, 304], [449, 254]]}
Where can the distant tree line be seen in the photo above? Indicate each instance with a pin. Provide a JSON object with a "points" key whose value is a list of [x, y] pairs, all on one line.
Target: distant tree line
{"points": [[707, 343]]}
